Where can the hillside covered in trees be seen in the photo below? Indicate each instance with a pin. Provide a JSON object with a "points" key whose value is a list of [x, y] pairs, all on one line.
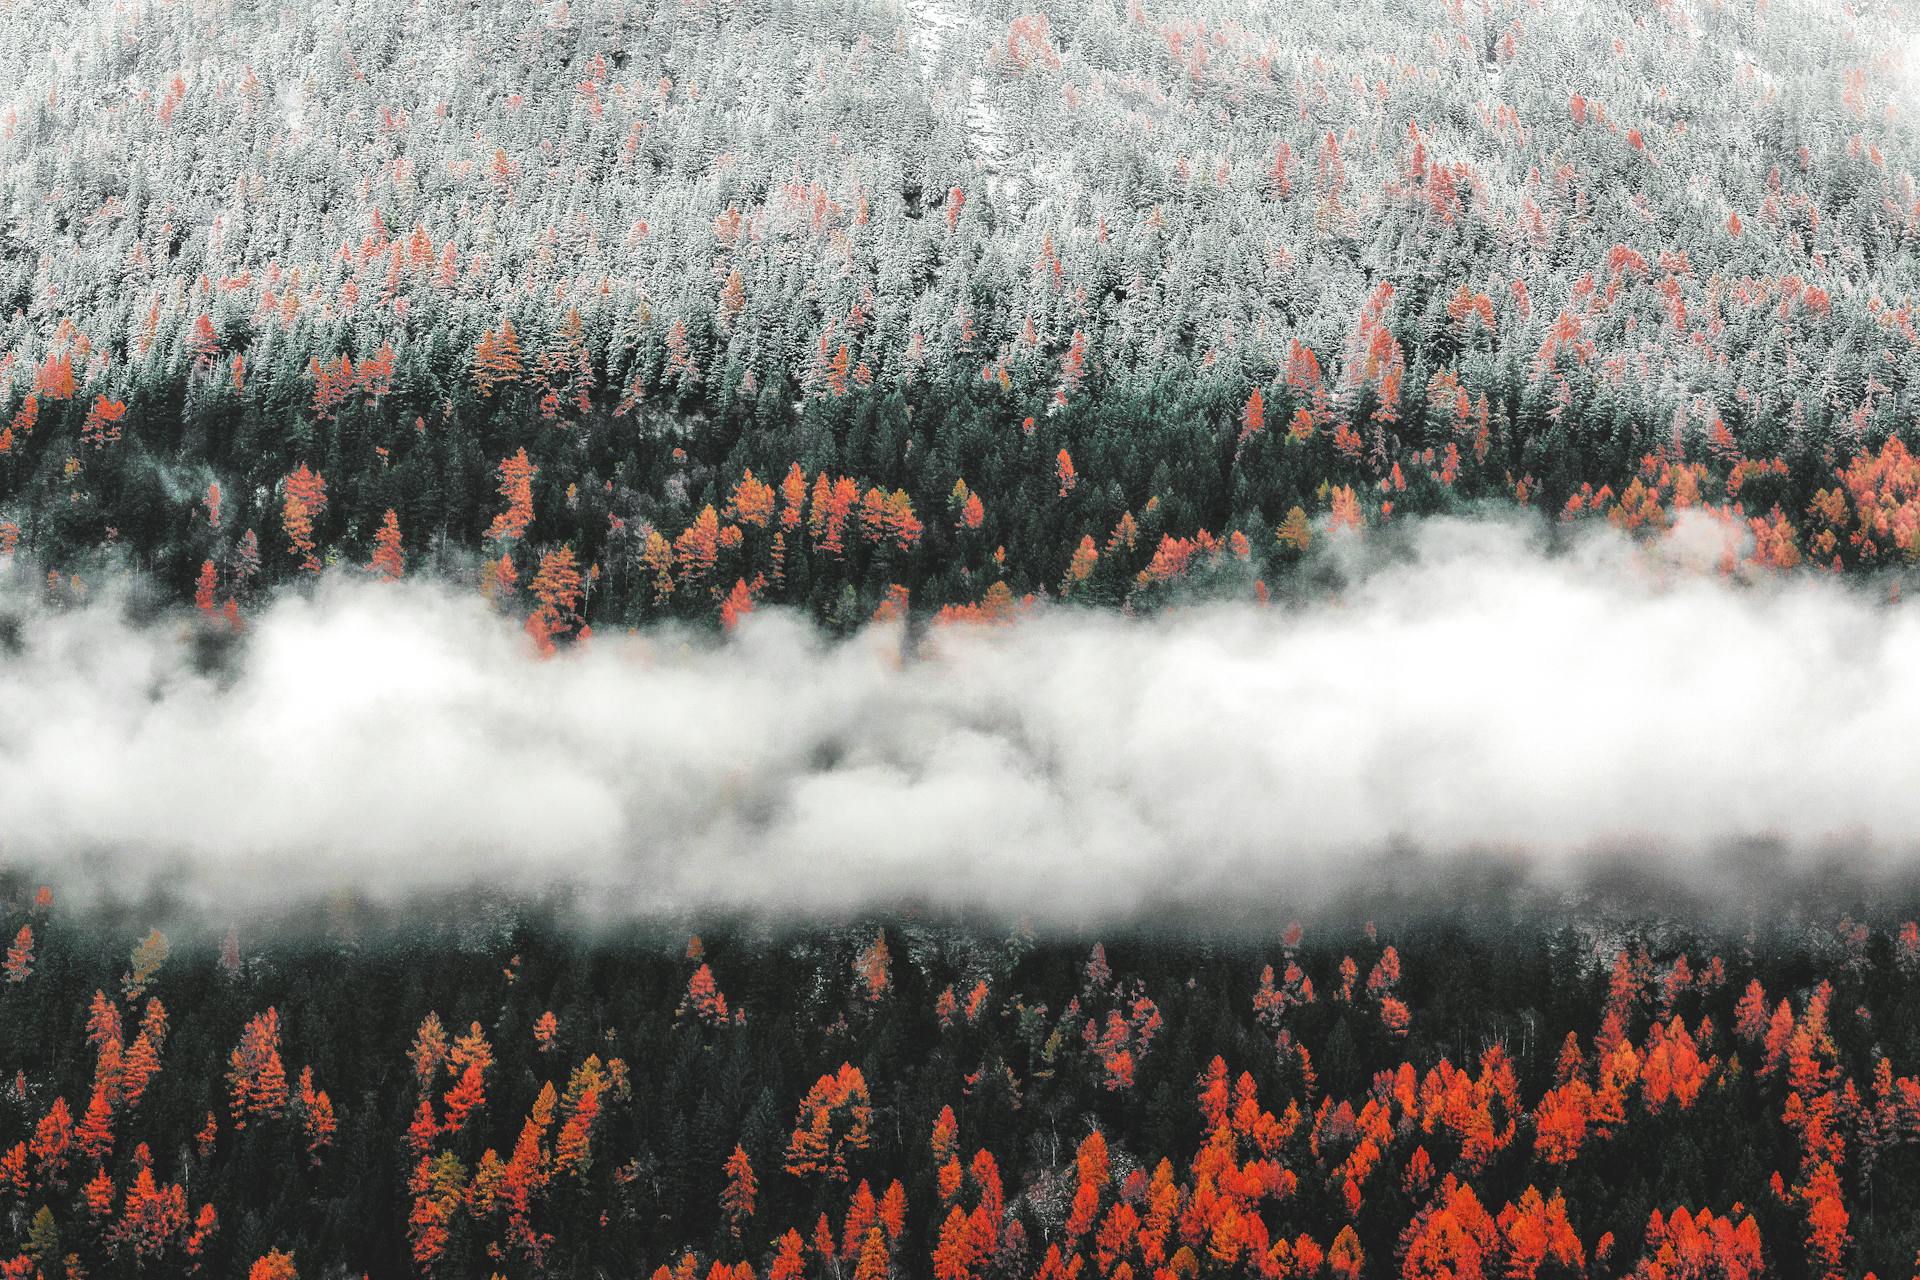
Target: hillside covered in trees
{"points": [[628, 310], [639, 315], [479, 1092]]}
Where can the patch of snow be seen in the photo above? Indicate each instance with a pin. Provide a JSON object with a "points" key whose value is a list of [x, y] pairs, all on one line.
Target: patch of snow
{"points": [[935, 29]]}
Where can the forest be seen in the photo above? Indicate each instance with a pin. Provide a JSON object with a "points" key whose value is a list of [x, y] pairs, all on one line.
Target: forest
{"points": [[883, 316], [622, 311], [479, 1090]]}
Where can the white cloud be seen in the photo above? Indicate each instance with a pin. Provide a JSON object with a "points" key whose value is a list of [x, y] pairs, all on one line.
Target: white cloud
{"points": [[1473, 694]]}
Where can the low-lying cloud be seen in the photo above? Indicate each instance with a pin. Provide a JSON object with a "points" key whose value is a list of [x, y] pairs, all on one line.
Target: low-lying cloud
{"points": [[1474, 693]]}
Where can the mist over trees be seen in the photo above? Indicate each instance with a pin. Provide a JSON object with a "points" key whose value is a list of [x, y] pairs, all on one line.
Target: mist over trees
{"points": [[664, 311]]}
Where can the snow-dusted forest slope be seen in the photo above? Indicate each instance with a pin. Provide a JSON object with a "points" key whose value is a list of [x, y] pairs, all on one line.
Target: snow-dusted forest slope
{"points": [[1026, 301]]}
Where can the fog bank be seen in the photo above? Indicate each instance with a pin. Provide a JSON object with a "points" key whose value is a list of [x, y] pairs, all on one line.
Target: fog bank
{"points": [[1473, 694]]}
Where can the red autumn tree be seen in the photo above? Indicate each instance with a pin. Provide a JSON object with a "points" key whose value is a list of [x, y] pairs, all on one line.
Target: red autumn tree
{"points": [[316, 1116], [54, 377], [19, 963], [389, 562], [738, 604], [102, 425], [516, 486], [94, 1136], [429, 1051], [579, 1108], [52, 1144], [833, 1122], [557, 586], [468, 1095], [99, 1194], [306, 499], [1253, 417], [273, 1266], [256, 1078], [704, 999], [154, 1216], [873, 968], [496, 359], [204, 587], [204, 343], [138, 1067], [752, 501], [737, 1197], [832, 504]]}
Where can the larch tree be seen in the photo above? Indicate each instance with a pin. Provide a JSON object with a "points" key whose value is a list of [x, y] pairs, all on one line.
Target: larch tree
{"points": [[145, 964], [737, 1197], [204, 588], [516, 486], [496, 359], [273, 1265], [305, 501], [557, 586], [19, 962], [873, 968], [256, 1077], [389, 561]]}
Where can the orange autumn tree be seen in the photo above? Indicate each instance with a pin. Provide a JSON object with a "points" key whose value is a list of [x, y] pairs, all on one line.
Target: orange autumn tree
{"points": [[54, 378], [429, 1051], [1690, 1244], [274, 1265], [145, 962], [94, 1135], [496, 359], [697, 549], [580, 1109], [19, 963], [102, 425], [737, 1197], [752, 501], [705, 1001], [739, 603], [317, 1122], [832, 504], [139, 1065], [1253, 416], [557, 586], [389, 561], [52, 1144], [306, 500], [516, 486], [204, 587], [833, 1122], [872, 968], [256, 1077], [873, 1261]]}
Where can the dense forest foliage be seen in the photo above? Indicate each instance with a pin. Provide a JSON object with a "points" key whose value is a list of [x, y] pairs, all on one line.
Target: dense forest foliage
{"points": [[482, 1092], [623, 310]]}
